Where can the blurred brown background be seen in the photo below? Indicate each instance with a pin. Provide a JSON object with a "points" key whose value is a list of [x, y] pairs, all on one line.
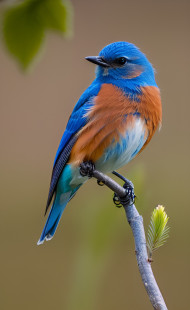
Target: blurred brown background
{"points": [[90, 264]]}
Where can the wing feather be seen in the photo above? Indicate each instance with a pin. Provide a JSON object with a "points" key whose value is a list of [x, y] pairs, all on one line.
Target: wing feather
{"points": [[76, 121], [58, 168]]}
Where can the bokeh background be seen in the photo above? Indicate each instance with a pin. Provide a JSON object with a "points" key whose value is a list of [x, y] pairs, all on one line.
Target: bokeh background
{"points": [[90, 264]]}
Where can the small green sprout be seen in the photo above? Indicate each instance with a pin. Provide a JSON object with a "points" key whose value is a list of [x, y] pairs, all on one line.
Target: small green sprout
{"points": [[158, 230]]}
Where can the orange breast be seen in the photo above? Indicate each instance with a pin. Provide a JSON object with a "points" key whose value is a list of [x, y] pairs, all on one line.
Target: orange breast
{"points": [[108, 121]]}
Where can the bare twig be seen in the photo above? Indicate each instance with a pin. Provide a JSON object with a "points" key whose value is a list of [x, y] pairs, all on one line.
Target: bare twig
{"points": [[136, 222]]}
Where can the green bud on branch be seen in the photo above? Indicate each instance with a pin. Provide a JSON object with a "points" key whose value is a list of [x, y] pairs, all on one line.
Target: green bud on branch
{"points": [[158, 230]]}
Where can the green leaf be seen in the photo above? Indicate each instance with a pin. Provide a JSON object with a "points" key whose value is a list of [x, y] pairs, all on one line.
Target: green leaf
{"points": [[158, 229], [56, 15], [23, 31], [24, 26]]}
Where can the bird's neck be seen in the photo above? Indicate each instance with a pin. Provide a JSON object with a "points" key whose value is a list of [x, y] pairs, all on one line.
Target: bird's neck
{"points": [[130, 86]]}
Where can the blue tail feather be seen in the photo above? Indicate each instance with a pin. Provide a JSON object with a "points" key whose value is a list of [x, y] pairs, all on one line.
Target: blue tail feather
{"points": [[54, 217]]}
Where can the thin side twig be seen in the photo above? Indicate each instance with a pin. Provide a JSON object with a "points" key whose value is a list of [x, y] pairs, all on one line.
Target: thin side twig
{"points": [[136, 222]]}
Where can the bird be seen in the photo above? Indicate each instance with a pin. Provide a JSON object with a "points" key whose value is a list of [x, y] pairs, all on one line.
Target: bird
{"points": [[112, 122]]}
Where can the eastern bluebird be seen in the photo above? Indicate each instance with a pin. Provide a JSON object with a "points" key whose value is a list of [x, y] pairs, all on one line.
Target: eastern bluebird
{"points": [[114, 119]]}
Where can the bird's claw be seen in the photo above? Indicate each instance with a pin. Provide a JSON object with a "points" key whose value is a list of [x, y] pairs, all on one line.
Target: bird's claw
{"points": [[101, 183], [87, 168], [128, 199], [117, 201], [129, 187]]}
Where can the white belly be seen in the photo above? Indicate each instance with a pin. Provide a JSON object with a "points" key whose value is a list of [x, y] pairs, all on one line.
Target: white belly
{"points": [[121, 153]]}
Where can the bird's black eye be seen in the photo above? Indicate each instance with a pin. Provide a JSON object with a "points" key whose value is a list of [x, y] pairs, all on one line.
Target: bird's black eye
{"points": [[120, 61]]}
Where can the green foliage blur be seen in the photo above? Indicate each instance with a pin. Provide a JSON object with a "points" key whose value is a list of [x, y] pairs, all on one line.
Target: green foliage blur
{"points": [[25, 26]]}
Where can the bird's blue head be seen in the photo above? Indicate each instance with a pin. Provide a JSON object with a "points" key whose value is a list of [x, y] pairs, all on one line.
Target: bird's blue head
{"points": [[123, 62]]}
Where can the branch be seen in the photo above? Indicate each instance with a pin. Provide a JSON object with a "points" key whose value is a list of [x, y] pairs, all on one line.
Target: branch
{"points": [[136, 222]]}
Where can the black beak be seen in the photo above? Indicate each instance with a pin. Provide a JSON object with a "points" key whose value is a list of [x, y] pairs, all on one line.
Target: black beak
{"points": [[98, 61]]}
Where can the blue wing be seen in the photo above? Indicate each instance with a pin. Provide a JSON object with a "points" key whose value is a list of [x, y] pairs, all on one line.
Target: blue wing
{"points": [[76, 121]]}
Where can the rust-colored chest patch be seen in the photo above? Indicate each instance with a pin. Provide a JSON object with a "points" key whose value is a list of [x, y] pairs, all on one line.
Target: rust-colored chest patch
{"points": [[110, 116]]}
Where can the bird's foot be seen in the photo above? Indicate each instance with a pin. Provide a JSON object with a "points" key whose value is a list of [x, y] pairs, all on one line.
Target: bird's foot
{"points": [[130, 195], [87, 168], [129, 199]]}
